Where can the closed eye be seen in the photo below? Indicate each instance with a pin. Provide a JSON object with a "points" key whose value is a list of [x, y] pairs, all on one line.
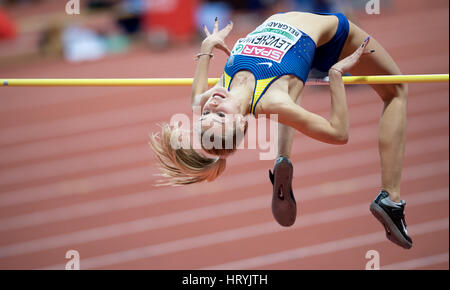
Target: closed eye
{"points": [[205, 113]]}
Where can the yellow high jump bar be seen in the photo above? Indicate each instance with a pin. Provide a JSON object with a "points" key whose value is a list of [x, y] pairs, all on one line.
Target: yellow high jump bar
{"points": [[351, 80]]}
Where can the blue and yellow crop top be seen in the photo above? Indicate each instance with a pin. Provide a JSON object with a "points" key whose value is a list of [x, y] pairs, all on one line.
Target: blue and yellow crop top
{"points": [[275, 49], [272, 50]]}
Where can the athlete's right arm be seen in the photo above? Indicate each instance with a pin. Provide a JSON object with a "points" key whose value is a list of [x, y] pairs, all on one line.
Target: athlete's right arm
{"points": [[214, 40]]}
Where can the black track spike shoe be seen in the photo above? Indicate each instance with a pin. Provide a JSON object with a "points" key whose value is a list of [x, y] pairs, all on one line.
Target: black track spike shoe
{"points": [[392, 217], [284, 208]]}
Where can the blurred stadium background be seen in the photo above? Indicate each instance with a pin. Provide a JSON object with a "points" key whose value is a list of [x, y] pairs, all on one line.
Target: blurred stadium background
{"points": [[76, 171]]}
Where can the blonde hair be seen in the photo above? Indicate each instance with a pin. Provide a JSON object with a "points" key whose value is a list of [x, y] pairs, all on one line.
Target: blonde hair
{"points": [[185, 166]]}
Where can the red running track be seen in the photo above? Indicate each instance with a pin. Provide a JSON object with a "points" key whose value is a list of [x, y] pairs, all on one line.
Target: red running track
{"points": [[76, 171]]}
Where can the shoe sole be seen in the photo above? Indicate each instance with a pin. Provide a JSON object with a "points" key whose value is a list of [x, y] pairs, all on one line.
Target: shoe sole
{"points": [[392, 232], [284, 209]]}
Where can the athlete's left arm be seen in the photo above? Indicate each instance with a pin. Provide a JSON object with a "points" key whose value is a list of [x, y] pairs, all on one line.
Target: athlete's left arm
{"points": [[334, 130]]}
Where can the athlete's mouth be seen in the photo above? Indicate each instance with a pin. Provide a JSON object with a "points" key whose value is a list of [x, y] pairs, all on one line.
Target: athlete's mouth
{"points": [[219, 95]]}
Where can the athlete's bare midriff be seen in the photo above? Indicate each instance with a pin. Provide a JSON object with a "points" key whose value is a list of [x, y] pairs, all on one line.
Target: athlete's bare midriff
{"points": [[321, 28]]}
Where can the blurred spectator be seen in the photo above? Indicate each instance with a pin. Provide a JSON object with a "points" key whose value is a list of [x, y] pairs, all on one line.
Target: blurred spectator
{"points": [[50, 41], [101, 4], [82, 44], [131, 15], [7, 27], [170, 20]]}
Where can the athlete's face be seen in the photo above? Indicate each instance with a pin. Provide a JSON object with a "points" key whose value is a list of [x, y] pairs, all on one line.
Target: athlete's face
{"points": [[220, 112]]}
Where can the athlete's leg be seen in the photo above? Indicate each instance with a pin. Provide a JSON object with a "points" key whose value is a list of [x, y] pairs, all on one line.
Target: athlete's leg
{"points": [[392, 130], [286, 133], [387, 206], [284, 207], [285, 140]]}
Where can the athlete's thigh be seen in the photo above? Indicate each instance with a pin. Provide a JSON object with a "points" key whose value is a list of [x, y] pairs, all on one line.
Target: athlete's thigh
{"points": [[378, 63]]}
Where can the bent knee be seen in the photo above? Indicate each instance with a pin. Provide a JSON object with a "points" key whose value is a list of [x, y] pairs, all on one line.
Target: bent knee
{"points": [[398, 91]]}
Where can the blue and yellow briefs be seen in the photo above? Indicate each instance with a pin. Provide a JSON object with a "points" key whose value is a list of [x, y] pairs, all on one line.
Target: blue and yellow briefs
{"points": [[275, 49]]}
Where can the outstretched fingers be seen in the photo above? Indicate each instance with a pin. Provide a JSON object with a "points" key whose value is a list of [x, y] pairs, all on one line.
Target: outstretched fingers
{"points": [[205, 29], [216, 38], [350, 61], [225, 31], [216, 25], [364, 49], [228, 28]]}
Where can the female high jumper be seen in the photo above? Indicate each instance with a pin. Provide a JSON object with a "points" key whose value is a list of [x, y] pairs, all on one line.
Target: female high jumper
{"points": [[265, 74]]}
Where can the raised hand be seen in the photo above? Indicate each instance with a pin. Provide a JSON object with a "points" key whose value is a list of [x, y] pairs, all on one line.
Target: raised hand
{"points": [[216, 39], [350, 61]]}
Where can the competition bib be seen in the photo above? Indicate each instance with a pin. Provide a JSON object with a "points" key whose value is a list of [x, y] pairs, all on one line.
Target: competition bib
{"points": [[271, 40]]}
